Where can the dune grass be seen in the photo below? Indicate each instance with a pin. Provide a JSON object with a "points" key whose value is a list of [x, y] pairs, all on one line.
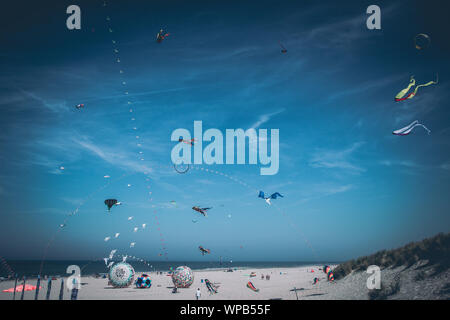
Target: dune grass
{"points": [[434, 250]]}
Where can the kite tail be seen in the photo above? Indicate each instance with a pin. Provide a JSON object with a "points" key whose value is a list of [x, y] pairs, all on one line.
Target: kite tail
{"points": [[425, 85], [429, 131]]}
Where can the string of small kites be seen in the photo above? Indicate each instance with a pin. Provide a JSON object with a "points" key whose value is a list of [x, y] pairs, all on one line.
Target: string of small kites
{"points": [[139, 143]]}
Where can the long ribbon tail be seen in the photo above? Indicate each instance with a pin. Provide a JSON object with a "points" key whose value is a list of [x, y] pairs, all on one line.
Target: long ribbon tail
{"points": [[424, 85], [429, 131]]}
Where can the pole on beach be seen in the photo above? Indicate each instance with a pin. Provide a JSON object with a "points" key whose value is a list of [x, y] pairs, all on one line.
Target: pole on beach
{"points": [[15, 286], [74, 295], [295, 289], [23, 288], [38, 284], [61, 291], [74, 290], [49, 288]]}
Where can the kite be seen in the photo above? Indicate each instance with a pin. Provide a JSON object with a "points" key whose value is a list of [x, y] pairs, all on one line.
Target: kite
{"points": [[28, 287], [121, 275], [111, 255], [194, 221], [143, 282], [402, 95], [62, 225], [211, 287], [106, 261], [107, 239], [326, 269], [135, 229], [315, 280], [190, 142], [161, 36], [111, 202], [61, 168], [130, 218], [180, 168], [79, 106], [144, 225], [421, 41], [116, 235], [330, 276], [182, 277], [110, 264], [201, 210], [408, 129], [252, 287], [272, 196], [132, 244], [204, 251], [106, 177], [283, 49]]}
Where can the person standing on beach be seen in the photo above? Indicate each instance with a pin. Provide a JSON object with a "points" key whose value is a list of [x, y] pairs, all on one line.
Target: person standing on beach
{"points": [[198, 293]]}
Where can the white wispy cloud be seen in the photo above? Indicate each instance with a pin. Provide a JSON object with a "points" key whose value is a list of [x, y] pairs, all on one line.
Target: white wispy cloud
{"points": [[339, 159], [445, 166], [403, 163], [265, 118], [52, 106], [114, 156]]}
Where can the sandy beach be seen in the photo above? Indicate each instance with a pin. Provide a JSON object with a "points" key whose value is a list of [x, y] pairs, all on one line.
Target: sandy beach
{"points": [[232, 285]]}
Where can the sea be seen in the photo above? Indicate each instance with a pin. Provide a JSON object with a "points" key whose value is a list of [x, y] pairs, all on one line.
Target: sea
{"points": [[57, 268]]}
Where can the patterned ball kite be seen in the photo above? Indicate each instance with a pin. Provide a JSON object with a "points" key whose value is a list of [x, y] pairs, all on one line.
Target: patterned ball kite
{"points": [[183, 277], [121, 275], [143, 282]]}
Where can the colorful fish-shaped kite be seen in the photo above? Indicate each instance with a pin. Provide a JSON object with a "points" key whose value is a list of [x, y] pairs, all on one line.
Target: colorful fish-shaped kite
{"points": [[408, 129], [403, 95]]}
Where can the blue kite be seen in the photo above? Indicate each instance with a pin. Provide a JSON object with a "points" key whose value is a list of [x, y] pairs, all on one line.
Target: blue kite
{"points": [[272, 196]]}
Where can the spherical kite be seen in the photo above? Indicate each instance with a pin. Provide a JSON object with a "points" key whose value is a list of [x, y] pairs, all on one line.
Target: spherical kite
{"points": [[422, 41], [182, 277], [143, 282], [121, 275], [181, 168]]}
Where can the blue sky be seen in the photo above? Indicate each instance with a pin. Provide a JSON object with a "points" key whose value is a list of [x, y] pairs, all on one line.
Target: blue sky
{"points": [[351, 187]]}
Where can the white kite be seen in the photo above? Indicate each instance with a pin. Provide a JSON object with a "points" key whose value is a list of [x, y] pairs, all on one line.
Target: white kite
{"points": [[408, 129], [130, 218], [124, 258], [132, 244], [144, 225], [116, 235], [107, 239], [135, 229], [111, 255]]}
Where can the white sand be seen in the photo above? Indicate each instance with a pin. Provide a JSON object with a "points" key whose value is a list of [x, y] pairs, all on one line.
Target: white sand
{"points": [[232, 285]]}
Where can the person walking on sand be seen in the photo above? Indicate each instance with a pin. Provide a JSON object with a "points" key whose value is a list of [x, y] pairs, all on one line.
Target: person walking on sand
{"points": [[198, 293]]}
